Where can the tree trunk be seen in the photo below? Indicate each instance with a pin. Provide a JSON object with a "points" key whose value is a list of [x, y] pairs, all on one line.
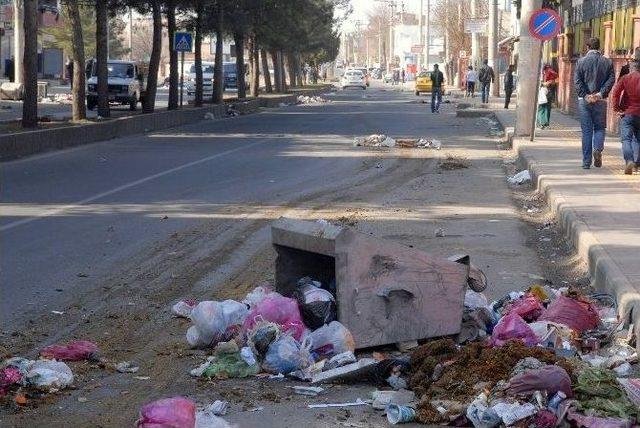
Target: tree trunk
{"points": [[173, 56], [149, 100], [291, 65], [241, 80], [102, 34], [298, 69], [283, 80], [276, 71], [265, 71], [255, 77], [30, 65], [218, 74], [78, 106], [198, 53]]}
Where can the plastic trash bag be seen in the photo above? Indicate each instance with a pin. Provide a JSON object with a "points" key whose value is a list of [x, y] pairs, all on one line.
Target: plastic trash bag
{"points": [[545, 419], [318, 306], [215, 322], [512, 327], [258, 294], [9, 376], [520, 178], [175, 412], [475, 300], [529, 308], [49, 374], [548, 378], [331, 339], [580, 315], [261, 336], [480, 415], [183, 308], [595, 422], [279, 310], [286, 355], [73, 351], [206, 419], [230, 366]]}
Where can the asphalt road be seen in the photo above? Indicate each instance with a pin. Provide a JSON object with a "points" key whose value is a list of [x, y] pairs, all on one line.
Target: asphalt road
{"points": [[109, 235]]}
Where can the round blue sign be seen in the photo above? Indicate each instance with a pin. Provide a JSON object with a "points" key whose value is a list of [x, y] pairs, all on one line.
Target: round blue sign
{"points": [[545, 24]]}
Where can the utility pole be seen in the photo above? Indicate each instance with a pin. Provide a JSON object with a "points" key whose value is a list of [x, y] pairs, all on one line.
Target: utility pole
{"points": [[493, 44], [528, 71], [421, 37], [475, 37], [18, 41], [428, 41], [130, 34]]}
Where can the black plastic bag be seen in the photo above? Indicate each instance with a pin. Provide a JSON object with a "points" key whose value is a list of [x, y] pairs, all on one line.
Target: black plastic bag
{"points": [[317, 305]]}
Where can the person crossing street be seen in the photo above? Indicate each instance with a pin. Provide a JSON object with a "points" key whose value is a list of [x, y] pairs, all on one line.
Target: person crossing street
{"points": [[437, 80]]}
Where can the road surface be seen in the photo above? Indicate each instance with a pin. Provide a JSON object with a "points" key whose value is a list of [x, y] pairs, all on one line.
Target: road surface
{"points": [[109, 235]]}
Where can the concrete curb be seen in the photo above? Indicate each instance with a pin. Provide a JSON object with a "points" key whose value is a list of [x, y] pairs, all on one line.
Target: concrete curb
{"points": [[606, 274], [18, 145]]}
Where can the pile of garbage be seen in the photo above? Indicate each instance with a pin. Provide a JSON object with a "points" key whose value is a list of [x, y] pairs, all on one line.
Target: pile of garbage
{"points": [[535, 359], [46, 375], [305, 99], [57, 99], [381, 140], [268, 332]]}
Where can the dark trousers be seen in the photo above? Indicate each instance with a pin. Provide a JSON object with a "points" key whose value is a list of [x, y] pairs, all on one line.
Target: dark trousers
{"points": [[507, 96], [436, 99], [630, 135], [486, 90]]}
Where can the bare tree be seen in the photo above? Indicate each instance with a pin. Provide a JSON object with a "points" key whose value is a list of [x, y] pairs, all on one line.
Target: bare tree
{"points": [[30, 64], [265, 71], [78, 106], [149, 101], [102, 32], [218, 72], [199, 9], [173, 56]]}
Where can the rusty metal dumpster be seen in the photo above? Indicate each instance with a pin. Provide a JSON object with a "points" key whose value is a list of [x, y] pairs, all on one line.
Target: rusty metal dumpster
{"points": [[385, 292]]}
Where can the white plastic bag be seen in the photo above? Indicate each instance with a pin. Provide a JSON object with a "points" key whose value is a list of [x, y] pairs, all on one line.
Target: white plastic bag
{"points": [[212, 321], [542, 95], [331, 339], [49, 374], [286, 355], [520, 178]]}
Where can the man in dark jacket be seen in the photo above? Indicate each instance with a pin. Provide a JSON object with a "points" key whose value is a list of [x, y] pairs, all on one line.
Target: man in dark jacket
{"points": [[594, 78], [437, 80], [508, 85], [485, 76]]}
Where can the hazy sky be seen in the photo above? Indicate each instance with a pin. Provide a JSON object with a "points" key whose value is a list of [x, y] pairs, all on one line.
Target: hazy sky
{"points": [[361, 7]]}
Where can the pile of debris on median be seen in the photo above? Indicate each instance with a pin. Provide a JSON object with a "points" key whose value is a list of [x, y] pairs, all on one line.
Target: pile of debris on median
{"points": [[539, 358], [381, 140], [306, 99]]}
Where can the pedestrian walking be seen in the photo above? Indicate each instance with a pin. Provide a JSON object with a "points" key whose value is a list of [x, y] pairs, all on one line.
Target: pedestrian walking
{"points": [[625, 99], [549, 81], [594, 78], [471, 78], [623, 72], [396, 76], [508, 85], [402, 75], [486, 77], [69, 68], [437, 80]]}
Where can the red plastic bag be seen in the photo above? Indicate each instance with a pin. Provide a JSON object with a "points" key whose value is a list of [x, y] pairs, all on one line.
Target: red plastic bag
{"points": [[279, 310], [512, 327], [548, 378], [8, 377], [73, 351], [580, 315], [175, 412], [545, 419], [529, 308]]}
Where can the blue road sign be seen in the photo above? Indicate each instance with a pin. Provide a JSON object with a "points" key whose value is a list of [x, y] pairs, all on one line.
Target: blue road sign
{"points": [[182, 42], [545, 24]]}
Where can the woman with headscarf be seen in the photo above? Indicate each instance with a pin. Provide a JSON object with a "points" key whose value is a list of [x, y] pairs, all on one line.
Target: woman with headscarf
{"points": [[549, 80]]}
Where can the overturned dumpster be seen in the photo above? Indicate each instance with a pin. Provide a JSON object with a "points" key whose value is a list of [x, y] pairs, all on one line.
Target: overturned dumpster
{"points": [[385, 292]]}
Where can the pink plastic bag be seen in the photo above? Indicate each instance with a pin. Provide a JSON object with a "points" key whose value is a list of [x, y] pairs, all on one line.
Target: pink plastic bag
{"points": [[577, 314], [529, 308], [73, 351], [545, 419], [512, 327], [595, 422], [548, 378], [175, 412], [279, 310], [8, 377]]}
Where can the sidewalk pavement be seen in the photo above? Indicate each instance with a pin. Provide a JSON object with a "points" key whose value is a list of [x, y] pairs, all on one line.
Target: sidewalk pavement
{"points": [[598, 209]]}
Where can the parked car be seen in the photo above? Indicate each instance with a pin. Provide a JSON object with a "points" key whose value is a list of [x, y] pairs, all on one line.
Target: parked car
{"points": [[353, 79], [207, 80], [365, 73], [423, 82], [126, 84]]}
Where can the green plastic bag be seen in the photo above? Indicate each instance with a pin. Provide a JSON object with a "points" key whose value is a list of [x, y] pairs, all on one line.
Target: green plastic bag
{"points": [[230, 365]]}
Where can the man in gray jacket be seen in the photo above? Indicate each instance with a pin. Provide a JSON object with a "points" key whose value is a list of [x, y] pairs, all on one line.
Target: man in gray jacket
{"points": [[594, 78]]}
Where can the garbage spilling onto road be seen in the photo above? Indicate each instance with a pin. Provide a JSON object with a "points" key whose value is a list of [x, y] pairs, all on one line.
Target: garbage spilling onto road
{"points": [[381, 140], [232, 111], [305, 99], [57, 99], [520, 178]]}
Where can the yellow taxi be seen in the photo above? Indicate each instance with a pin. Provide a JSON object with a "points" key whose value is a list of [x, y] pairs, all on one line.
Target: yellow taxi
{"points": [[423, 82]]}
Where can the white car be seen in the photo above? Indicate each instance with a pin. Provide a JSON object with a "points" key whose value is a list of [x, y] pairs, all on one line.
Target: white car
{"points": [[353, 79], [207, 80]]}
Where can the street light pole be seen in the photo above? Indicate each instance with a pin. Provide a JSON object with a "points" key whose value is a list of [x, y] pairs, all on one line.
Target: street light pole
{"points": [[18, 41], [421, 37], [428, 41], [493, 44]]}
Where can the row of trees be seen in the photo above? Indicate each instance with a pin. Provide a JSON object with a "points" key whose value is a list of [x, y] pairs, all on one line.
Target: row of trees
{"points": [[289, 32]]}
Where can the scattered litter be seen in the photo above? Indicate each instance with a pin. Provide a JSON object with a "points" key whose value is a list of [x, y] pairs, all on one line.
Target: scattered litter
{"points": [[209, 116], [420, 143], [215, 322], [381, 399], [318, 306], [142, 377], [440, 233], [307, 390], [230, 365], [331, 339], [358, 402], [49, 375], [73, 351], [304, 99], [277, 309], [57, 312], [340, 360], [397, 414], [217, 408], [168, 412], [359, 370], [126, 367], [183, 308], [374, 140], [256, 409], [511, 413], [452, 162], [286, 355], [232, 111], [520, 178]]}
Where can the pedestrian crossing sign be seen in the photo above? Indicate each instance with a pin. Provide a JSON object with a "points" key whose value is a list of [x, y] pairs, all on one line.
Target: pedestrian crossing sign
{"points": [[182, 42]]}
